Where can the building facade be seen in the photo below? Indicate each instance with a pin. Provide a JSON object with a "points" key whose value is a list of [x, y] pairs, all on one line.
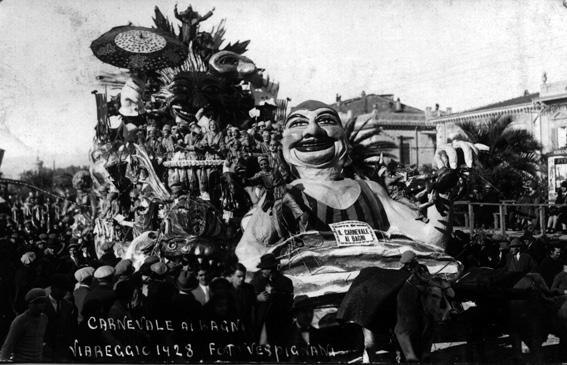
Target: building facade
{"points": [[543, 113]]}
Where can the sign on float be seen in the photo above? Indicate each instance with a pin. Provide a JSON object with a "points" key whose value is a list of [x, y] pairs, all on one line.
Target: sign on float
{"points": [[349, 233]]}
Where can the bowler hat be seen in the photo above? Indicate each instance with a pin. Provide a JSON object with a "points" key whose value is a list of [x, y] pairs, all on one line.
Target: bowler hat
{"points": [[516, 242], [186, 281], [301, 302], [268, 261]]}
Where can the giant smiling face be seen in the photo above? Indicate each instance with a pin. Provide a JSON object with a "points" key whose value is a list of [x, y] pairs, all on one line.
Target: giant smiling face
{"points": [[314, 137]]}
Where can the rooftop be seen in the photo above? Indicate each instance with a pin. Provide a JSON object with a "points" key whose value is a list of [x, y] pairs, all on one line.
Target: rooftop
{"points": [[524, 99]]}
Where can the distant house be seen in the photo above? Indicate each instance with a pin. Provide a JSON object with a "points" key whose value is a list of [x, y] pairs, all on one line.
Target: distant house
{"points": [[404, 125], [523, 109]]}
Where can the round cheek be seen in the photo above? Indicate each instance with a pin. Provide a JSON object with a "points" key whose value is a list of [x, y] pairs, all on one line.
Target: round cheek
{"points": [[288, 138]]}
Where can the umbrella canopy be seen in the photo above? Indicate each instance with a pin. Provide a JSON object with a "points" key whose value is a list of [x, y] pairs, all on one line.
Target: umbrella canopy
{"points": [[139, 48]]}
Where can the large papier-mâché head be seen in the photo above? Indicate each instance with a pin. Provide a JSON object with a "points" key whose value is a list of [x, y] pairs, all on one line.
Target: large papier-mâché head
{"points": [[314, 139]]}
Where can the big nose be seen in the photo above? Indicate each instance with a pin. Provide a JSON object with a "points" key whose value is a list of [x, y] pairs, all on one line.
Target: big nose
{"points": [[313, 129]]}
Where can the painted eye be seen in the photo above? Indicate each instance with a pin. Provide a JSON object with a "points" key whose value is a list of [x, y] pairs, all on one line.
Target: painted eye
{"points": [[327, 121], [172, 245], [298, 123]]}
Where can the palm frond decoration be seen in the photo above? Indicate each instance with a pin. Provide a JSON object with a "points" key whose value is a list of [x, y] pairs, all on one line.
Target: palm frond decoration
{"points": [[366, 148]]}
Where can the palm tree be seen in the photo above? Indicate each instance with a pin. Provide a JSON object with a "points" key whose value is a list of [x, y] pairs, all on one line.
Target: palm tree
{"points": [[514, 157]]}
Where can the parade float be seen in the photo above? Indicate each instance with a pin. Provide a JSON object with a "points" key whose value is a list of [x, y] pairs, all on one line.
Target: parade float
{"points": [[326, 220]]}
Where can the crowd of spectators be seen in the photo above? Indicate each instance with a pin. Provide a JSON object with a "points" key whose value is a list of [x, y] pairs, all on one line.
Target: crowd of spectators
{"points": [[525, 254], [59, 301]]}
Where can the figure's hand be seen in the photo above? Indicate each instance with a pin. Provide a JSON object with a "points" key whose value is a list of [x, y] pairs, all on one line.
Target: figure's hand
{"points": [[446, 156]]}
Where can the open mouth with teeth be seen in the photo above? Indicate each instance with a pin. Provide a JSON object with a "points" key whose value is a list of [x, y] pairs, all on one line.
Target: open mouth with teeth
{"points": [[314, 144]]}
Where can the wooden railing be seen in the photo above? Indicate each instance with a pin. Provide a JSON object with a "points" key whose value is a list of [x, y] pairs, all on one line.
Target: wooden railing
{"points": [[501, 214]]}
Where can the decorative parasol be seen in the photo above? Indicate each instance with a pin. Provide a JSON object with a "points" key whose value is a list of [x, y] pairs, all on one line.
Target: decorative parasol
{"points": [[139, 48]]}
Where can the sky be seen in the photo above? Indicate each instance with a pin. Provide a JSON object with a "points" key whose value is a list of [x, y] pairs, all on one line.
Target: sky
{"points": [[460, 54]]}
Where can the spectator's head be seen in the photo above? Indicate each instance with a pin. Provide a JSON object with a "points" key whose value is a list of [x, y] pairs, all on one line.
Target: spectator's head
{"points": [[28, 258], [529, 231], [266, 136], [203, 276], [515, 246], [213, 126], [36, 300], [408, 258], [302, 310], [261, 126], [263, 163], [158, 270], [236, 274], [555, 252], [104, 274], [124, 268], [503, 246], [166, 130], [269, 124], [186, 281], [274, 146], [84, 275], [268, 264]]}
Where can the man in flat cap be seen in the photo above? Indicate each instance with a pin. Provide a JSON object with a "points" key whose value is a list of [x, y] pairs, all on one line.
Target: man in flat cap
{"points": [[103, 292], [84, 277], [25, 339]]}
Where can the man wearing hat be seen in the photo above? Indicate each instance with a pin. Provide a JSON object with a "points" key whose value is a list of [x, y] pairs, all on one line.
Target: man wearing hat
{"points": [[303, 333], [518, 261], [160, 291], [103, 292], [84, 278], [25, 338], [274, 293], [62, 323], [409, 262], [499, 260], [185, 307]]}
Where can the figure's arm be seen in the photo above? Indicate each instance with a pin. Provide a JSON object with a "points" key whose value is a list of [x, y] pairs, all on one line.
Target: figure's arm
{"points": [[403, 217], [437, 230]]}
